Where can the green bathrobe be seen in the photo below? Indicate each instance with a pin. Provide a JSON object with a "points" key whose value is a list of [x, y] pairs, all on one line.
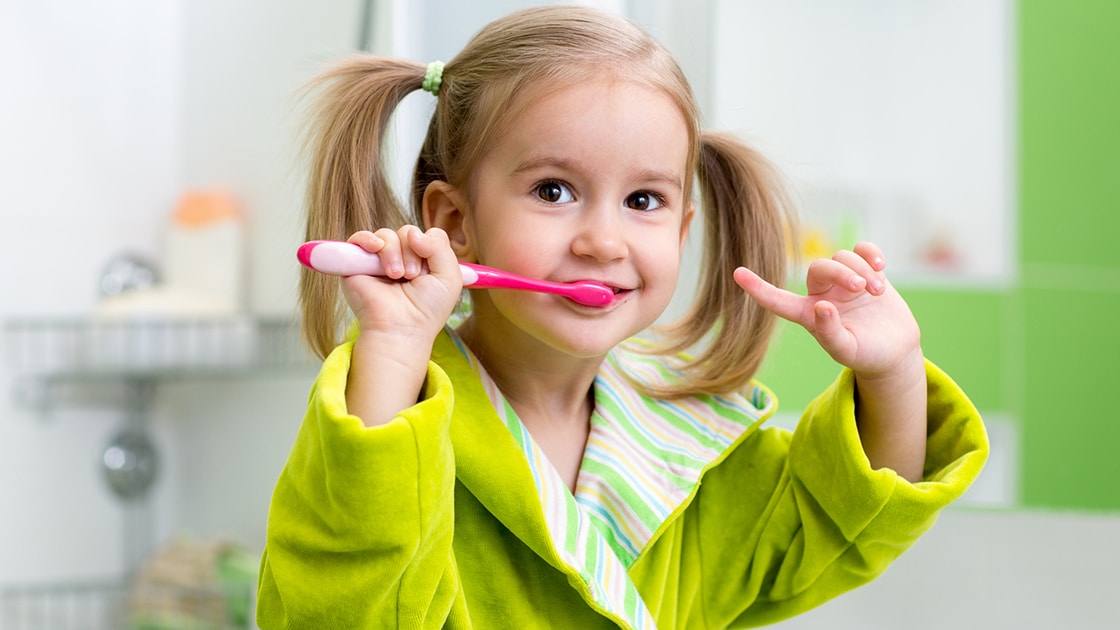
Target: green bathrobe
{"points": [[447, 517]]}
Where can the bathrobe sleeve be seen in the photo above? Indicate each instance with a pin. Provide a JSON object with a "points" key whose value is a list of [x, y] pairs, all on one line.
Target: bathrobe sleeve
{"points": [[831, 523], [361, 520]]}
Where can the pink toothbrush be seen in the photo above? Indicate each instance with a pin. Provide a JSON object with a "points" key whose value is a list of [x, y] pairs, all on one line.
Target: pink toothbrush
{"points": [[339, 258]]}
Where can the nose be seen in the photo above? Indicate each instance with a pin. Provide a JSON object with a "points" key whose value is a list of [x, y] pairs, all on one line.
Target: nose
{"points": [[601, 235]]}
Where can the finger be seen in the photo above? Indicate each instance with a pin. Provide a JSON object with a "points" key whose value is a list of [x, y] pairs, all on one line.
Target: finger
{"points": [[412, 262], [825, 273], [435, 247], [367, 240], [872, 254], [853, 261], [830, 333], [782, 303], [392, 260], [874, 281], [876, 285]]}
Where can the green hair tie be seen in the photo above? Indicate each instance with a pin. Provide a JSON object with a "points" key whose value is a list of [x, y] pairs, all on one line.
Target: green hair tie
{"points": [[433, 77]]}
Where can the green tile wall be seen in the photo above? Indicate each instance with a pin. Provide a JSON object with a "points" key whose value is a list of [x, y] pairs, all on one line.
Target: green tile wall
{"points": [[1069, 140], [1072, 437], [1069, 128]]}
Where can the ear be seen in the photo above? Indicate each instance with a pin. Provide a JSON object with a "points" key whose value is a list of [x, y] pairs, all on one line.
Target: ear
{"points": [[686, 222], [444, 207]]}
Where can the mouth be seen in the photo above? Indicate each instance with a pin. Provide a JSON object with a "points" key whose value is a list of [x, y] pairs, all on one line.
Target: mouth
{"points": [[618, 293], [594, 294]]}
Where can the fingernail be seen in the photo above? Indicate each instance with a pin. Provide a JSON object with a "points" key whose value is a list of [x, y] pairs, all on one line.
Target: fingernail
{"points": [[876, 287], [412, 269]]}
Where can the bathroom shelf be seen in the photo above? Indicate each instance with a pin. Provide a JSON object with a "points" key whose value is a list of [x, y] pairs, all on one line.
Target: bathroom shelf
{"points": [[50, 355], [85, 347], [119, 363]]}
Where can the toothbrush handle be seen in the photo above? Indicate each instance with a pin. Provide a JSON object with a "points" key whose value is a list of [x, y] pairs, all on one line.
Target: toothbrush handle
{"points": [[339, 258], [482, 277]]}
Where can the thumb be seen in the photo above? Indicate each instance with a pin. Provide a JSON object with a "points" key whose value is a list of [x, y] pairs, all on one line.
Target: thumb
{"points": [[830, 332]]}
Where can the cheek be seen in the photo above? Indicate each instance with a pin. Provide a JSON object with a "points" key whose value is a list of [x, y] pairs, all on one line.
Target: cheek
{"points": [[493, 243], [519, 246], [669, 252], [519, 252], [673, 258], [664, 267], [671, 274]]}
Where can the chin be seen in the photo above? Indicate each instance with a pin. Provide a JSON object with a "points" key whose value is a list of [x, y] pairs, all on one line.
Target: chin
{"points": [[588, 340], [579, 332]]}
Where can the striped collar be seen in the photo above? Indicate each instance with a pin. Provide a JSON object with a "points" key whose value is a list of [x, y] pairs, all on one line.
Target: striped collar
{"points": [[645, 455], [641, 465]]}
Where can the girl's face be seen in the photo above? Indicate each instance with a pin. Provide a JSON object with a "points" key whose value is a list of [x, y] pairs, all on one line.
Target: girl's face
{"points": [[587, 184]]}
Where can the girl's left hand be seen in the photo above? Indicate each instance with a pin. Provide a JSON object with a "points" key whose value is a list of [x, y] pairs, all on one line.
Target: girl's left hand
{"points": [[851, 310]]}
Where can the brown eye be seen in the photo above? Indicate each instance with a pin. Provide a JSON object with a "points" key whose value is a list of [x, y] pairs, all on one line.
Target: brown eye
{"points": [[643, 201], [554, 192]]}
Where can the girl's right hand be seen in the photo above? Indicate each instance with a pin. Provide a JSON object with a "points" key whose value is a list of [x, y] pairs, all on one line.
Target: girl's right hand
{"points": [[420, 289], [399, 317]]}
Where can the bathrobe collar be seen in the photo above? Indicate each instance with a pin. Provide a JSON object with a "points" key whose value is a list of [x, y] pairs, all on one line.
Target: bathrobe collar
{"points": [[593, 546]]}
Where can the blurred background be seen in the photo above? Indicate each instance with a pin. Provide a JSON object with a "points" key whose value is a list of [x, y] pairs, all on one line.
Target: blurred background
{"points": [[151, 377]]}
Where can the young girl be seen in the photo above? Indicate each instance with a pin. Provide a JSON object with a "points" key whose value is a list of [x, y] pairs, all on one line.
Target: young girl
{"points": [[536, 467]]}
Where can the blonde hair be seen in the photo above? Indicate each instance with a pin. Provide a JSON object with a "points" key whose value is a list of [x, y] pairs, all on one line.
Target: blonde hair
{"points": [[506, 66]]}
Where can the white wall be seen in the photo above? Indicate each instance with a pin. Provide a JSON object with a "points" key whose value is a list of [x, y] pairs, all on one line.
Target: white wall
{"points": [[245, 62], [90, 164], [894, 120], [91, 158], [110, 111]]}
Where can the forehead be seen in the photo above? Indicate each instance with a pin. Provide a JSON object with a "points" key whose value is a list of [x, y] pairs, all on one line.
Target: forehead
{"points": [[606, 122]]}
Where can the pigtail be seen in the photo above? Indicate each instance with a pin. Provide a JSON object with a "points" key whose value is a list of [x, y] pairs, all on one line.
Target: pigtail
{"points": [[746, 223], [347, 187]]}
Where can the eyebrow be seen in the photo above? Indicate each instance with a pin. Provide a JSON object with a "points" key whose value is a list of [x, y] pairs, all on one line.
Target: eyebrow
{"points": [[645, 175]]}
